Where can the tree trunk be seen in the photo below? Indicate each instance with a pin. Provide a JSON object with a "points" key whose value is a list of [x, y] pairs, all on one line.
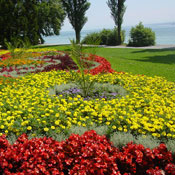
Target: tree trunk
{"points": [[77, 33], [119, 34]]}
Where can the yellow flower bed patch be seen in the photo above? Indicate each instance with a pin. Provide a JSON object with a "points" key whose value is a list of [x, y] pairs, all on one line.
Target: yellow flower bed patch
{"points": [[28, 50], [149, 107], [3, 51]]}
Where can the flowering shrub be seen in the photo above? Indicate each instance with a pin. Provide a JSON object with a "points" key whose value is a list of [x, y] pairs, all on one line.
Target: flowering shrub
{"points": [[87, 154]]}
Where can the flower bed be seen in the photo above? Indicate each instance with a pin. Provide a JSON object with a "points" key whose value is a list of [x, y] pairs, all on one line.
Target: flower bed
{"points": [[26, 106], [56, 61], [87, 154], [149, 107]]}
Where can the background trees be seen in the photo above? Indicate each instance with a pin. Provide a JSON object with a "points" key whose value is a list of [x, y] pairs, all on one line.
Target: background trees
{"points": [[76, 10], [117, 8], [31, 19]]}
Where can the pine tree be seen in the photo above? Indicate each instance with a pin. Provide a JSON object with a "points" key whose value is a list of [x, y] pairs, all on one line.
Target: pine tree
{"points": [[118, 9], [76, 10]]}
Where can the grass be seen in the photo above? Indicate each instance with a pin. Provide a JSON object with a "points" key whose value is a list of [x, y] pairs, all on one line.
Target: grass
{"points": [[150, 62]]}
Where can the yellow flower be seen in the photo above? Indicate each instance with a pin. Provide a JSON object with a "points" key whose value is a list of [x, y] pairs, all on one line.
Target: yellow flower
{"points": [[57, 122], [52, 127], [29, 128], [120, 128], [114, 127], [125, 130], [2, 127], [46, 129], [57, 115], [107, 123]]}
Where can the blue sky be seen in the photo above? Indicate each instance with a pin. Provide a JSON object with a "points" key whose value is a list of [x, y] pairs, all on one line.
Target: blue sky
{"points": [[146, 11]]}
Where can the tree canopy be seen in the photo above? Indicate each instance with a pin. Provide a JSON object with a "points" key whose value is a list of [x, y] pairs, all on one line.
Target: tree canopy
{"points": [[76, 10], [118, 9], [30, 19]]}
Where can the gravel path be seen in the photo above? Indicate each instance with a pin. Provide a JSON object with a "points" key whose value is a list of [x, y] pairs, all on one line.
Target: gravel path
{"points": [[147, 47]]}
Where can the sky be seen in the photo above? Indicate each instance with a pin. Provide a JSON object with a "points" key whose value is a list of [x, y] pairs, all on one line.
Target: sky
{"points": [[146, 11]]}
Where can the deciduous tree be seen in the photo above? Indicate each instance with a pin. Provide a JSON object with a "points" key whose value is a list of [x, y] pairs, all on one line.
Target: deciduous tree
{"points": [[118, 9], [30, 19], [76, 10]]}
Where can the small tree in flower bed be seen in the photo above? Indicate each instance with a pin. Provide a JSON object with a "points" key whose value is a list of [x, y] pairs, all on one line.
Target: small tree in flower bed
{"points": [[87, 154]]}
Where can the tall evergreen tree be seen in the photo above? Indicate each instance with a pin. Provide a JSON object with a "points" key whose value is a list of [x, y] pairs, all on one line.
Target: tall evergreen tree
{"points": [[30, 19], [76, 10], [118, 9]]}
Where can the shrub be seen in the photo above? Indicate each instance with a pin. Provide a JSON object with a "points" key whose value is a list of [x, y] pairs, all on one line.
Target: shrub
{"points": [[91, 38], [105, 37], [141, 36]]}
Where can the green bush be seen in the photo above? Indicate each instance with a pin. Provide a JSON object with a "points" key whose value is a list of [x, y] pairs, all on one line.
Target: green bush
{"points": [[141, 36], [92, 38], [105, 37]]}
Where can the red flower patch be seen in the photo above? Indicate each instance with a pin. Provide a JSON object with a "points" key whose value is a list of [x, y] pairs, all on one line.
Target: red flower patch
{"points": [[66, 64], [81, 155]]}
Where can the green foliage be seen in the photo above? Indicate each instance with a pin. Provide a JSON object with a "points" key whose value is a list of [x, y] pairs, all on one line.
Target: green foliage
{"points": [[76, 10], [77, 130], [51, 16], [119, 139], [171, 145], [17, 43], [101, 130], [60, 88], [110, 88], [147, 141], [30, 19], [141, 36], [105, 37], [98, 90], [92, 38], [84, 80], [118, 9]]}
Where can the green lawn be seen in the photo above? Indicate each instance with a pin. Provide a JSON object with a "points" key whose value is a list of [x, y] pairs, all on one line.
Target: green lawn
{"points": [[137, 61]]}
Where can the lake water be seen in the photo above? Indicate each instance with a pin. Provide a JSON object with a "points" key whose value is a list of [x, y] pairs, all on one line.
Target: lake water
{"points": [[165, 34]]}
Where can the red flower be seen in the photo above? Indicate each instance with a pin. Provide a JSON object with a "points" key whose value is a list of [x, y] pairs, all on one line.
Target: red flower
{"points": [[90, 154]]}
